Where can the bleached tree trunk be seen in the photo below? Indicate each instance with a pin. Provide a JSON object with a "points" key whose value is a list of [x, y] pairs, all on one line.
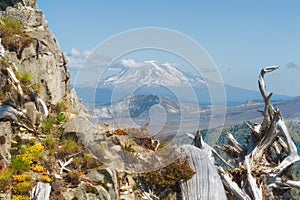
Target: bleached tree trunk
{"points": [[206, 183]]}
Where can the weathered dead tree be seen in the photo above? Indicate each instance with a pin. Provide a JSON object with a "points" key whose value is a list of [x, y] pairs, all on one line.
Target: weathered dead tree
{"points": [[206, 182], [263, 168]]}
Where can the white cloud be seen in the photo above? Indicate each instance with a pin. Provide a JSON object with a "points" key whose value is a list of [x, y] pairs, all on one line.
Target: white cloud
{"points": [[76, 58], [130, 63], [75, 52]]}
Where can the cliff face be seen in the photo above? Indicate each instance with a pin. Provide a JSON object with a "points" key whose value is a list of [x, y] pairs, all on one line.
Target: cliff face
{"points": [[41, 57]]}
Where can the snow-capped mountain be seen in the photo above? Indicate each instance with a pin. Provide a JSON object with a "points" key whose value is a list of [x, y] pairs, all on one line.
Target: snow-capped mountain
{"points": [[150, 74], [150, 77]]}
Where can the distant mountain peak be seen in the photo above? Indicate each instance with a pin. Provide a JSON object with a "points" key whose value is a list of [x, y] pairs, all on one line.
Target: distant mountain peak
{"points": [[150, 73]]}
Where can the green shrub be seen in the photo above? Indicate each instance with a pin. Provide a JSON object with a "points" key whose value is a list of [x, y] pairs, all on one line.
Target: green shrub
{"points": [[13, 37], [69, 146], [37, 88], [50, 141], [169, 177], [26, 78], [27, 156], [47, 125], [10, 26], [5, 178], [20, 164]]}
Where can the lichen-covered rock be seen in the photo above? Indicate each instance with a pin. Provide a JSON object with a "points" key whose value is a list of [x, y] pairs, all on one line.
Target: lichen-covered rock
{"points": [[95, 177], [81, 128]]}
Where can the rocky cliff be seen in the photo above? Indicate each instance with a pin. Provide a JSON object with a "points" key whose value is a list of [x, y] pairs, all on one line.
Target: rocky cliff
{"points": [[40, 55]]}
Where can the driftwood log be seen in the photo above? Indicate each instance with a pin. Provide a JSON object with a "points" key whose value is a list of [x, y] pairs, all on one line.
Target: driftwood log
{"points": [[262, 168]]}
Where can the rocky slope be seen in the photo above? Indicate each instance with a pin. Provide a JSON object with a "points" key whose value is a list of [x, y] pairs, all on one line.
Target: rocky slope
{"points": [[48, 147]]}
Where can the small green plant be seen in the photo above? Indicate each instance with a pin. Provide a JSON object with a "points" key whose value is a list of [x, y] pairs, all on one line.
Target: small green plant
{"points": [[25, 80], [60, 117], [32, 153], [28, 155], [17, 73], [50, 141], [128, 147], [5, 178], [47, 125], [89, 160], [4, 63], [37, 88], [26, 77], [69, 146], [19, 164]]}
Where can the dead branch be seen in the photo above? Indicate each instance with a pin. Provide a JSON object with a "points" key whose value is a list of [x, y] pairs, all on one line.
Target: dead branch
{"points": [[63, 165], [255, 191], [238, 193]]}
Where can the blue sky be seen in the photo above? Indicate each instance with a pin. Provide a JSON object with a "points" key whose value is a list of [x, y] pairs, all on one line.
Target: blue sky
{"points": [[241, 37]]}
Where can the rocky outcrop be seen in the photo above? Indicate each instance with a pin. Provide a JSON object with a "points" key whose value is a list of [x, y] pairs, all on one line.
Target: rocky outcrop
{"points": [[42, 58], [12, 3]]}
